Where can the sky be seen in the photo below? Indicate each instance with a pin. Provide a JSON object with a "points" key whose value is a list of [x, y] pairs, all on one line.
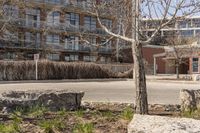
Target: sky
{"points": [[156, 7]]}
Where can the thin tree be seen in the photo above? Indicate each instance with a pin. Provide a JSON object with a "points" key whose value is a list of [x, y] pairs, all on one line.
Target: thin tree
{"points": [[180, 48], [166, 11]]}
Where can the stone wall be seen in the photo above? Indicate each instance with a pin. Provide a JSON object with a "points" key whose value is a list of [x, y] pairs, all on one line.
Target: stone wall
{"points": [[190, 100], [52, 100]]}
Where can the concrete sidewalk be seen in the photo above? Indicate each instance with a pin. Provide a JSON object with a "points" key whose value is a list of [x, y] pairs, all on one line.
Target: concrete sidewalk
{"points": [[153, 78]]}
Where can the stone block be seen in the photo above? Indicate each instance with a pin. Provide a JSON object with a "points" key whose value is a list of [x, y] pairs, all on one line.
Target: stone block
{"points": [[190, 100], [160, 124], [53, 100]]}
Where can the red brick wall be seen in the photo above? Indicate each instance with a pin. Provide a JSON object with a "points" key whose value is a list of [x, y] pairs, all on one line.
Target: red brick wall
{"points": [[148, 53]]}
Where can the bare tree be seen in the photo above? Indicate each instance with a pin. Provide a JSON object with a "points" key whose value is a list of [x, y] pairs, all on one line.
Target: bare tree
{"points": [[179, 49], [131, 19]]}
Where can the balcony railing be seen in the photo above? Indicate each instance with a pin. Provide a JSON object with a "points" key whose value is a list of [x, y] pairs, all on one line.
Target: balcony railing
{"points": [[52, 46], [63, 4], [61, 27]]}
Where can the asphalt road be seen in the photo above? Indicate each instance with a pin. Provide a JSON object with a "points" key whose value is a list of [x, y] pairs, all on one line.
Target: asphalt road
{"points": [[159, 92]]}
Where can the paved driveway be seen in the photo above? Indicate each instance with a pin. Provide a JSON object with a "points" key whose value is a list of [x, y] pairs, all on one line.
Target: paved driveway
{"points": [[159, 92]]}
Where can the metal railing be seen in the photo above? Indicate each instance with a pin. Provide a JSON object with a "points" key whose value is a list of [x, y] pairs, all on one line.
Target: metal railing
{"points": [[52, 46], [58, 27]]}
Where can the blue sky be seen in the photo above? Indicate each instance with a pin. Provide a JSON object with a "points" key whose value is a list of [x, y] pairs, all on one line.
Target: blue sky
{"points": [[156, 8]]}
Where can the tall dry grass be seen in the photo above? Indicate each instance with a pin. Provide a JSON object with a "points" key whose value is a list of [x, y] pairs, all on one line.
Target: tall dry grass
{"points": [[25, 70]]}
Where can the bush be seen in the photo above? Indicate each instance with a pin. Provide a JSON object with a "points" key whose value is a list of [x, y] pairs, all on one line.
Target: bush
{"points": [[25, 70]]}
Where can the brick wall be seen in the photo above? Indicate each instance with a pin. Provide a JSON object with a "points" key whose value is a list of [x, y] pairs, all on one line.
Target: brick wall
{"points": [[148, 53]]}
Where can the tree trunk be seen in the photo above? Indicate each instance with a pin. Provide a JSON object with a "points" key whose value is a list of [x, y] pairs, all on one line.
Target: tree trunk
{"points": [[177, 71], [141, 102]]}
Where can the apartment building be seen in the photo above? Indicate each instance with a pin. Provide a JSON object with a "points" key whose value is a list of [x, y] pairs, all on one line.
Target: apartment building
{"points": [[188, 28], [59, 30]]}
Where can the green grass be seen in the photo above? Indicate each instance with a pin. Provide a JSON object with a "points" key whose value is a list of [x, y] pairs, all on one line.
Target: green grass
{"points": [[127, 113], [36, 111], [13, 127], [79, 113], [63, 112], [7, 128], [33, 111], [107, 114], [52, 125], [191, 114], [84, 128]]}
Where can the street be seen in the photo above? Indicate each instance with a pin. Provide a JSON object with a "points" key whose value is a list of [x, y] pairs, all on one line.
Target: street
{"points": [[159, 92]]}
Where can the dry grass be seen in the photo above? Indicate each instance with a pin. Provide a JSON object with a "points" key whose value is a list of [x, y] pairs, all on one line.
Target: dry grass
{"points": [[25, 70]]}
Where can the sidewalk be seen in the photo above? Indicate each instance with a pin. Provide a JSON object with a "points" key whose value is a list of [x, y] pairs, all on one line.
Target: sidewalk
{"points": [[150, 78], [170, 78]]}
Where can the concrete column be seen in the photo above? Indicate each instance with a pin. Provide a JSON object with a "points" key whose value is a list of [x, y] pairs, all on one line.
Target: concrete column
{"points": [[154, 66]]}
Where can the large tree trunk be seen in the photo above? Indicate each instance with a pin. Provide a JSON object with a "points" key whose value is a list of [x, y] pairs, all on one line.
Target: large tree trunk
{"points": [[140, 80]]}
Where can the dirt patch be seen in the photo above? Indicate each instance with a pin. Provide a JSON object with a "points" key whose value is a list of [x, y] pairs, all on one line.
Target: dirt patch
{"points": [[91, 118]]}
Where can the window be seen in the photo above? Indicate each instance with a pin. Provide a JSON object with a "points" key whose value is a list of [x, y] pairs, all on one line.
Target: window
{"points": [[72, 43], [53, 19], [71, 58], [196, 23], [195, 65], [32, 18], [9, 56], [90, 23], [86, 58], [53, 39], [10, 11], [187, 33], [32, 39], [93, 58], [72, 19], [182, 24], [54, 57], [107, 23]]}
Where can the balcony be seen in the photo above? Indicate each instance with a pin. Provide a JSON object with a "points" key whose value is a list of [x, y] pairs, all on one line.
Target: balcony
{"points": [[105, 50], [58, 28], [63, 4], [19, 44]]}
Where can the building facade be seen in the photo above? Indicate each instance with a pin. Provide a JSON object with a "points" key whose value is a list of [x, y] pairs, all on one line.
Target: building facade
{"points": [[188, 28], [59, 30]]}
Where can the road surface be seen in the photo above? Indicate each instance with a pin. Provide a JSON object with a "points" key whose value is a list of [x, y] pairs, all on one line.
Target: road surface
{"points": [[159, 92]]}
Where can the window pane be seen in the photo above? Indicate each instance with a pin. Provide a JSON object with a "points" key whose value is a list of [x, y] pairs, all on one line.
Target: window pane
{"points": [[195, 64]]}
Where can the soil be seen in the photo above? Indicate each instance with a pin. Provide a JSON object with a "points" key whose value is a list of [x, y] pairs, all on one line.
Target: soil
{"points": [[97, 118]]}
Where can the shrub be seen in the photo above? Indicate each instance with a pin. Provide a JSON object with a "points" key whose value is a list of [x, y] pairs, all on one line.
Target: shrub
{"points": [[47, 70]]}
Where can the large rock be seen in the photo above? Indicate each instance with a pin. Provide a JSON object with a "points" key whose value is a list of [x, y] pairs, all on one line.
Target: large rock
{"points": [[159, 124], [53, 100], [190, 100]]}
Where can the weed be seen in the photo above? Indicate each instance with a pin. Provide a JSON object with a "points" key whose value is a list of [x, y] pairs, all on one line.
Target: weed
{"points": [[62, 112], [36, 111], [51, 125], [127, 113], [191, 114], [7, 128], [80, 113], [84, 128], [107, 113]]}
